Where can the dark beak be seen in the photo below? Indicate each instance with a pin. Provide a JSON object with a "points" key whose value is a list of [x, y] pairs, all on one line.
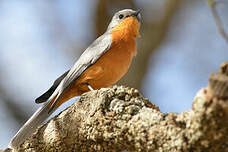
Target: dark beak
{"points": [[137, 15]]}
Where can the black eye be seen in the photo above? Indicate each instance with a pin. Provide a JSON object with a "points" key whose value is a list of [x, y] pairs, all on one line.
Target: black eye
{"points": [[121, 16]]}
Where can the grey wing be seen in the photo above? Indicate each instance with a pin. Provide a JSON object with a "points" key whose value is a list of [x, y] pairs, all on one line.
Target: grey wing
{"points": [[44, 97], [88, 58]]}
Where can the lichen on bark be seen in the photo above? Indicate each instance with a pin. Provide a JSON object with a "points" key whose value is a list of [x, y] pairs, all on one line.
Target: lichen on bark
{"points": [[121, 119]]}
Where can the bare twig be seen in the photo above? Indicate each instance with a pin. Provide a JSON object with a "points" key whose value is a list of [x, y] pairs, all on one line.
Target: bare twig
{"points": [[16, 111], [218, 21]]}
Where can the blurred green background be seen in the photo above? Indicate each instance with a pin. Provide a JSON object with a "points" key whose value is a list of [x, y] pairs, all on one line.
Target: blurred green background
{"points": [[39, 40]]}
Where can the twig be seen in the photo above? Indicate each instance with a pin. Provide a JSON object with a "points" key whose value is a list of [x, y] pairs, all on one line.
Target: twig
{"points": [[218, 21]]}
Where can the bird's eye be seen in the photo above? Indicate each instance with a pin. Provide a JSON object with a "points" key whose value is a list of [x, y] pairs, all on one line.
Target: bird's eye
{"points": [[121, 16]]}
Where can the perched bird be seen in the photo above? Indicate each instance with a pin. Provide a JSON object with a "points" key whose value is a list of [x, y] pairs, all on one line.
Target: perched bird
{"points": [[101, 65]]}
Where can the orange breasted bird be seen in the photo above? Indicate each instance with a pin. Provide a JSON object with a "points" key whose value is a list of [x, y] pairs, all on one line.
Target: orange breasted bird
{"points": [[101, 65]]}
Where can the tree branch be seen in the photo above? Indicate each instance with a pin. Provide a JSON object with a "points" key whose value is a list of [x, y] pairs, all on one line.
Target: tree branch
{"points": [[16, 111], [217, 19], [120, 118]]}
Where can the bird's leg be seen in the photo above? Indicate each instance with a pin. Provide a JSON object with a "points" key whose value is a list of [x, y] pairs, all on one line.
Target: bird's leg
{"points": [[89, 86]]}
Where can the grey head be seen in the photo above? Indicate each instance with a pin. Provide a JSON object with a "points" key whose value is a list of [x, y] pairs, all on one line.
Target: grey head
{"points": [[121, 15]]}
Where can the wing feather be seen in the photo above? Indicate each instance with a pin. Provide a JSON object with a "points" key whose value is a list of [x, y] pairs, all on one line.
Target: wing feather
{"points": [[44, 97], [88, 58]]}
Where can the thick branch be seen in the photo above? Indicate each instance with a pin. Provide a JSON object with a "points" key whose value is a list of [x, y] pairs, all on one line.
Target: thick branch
{"points": [[120, 118]]}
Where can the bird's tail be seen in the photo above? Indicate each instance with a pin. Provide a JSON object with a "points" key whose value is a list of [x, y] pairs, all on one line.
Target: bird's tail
{"points": [[31, 125]]}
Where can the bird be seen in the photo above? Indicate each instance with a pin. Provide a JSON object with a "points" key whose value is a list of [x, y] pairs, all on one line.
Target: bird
{"points": [[101, 65]]}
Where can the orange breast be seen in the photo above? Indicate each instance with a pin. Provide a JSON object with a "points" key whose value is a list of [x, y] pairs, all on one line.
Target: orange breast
{"points": [[113, 64]]}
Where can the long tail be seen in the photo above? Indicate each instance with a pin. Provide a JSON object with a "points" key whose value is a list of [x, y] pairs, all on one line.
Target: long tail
{"points": [[31, 125]]}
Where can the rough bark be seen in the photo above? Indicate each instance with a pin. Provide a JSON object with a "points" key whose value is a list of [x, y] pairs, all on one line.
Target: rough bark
{"points": [[121, 119]]}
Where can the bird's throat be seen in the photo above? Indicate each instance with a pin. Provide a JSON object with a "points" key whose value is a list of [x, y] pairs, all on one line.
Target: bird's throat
{"points": [[129, 27]]}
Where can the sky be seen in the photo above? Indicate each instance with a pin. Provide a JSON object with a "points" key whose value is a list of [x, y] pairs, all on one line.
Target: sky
{"points": [[186, 58]]}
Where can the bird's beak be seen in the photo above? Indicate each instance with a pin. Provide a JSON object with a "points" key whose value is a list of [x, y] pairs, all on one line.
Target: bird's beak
{"points": [[137, 15]]}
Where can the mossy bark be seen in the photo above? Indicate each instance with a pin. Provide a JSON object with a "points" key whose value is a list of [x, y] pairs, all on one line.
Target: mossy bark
{"points": [[121, 119]]}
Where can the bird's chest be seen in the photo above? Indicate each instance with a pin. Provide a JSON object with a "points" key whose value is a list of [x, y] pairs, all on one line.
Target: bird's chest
{"points": [[111, 66], [117, 60]]}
